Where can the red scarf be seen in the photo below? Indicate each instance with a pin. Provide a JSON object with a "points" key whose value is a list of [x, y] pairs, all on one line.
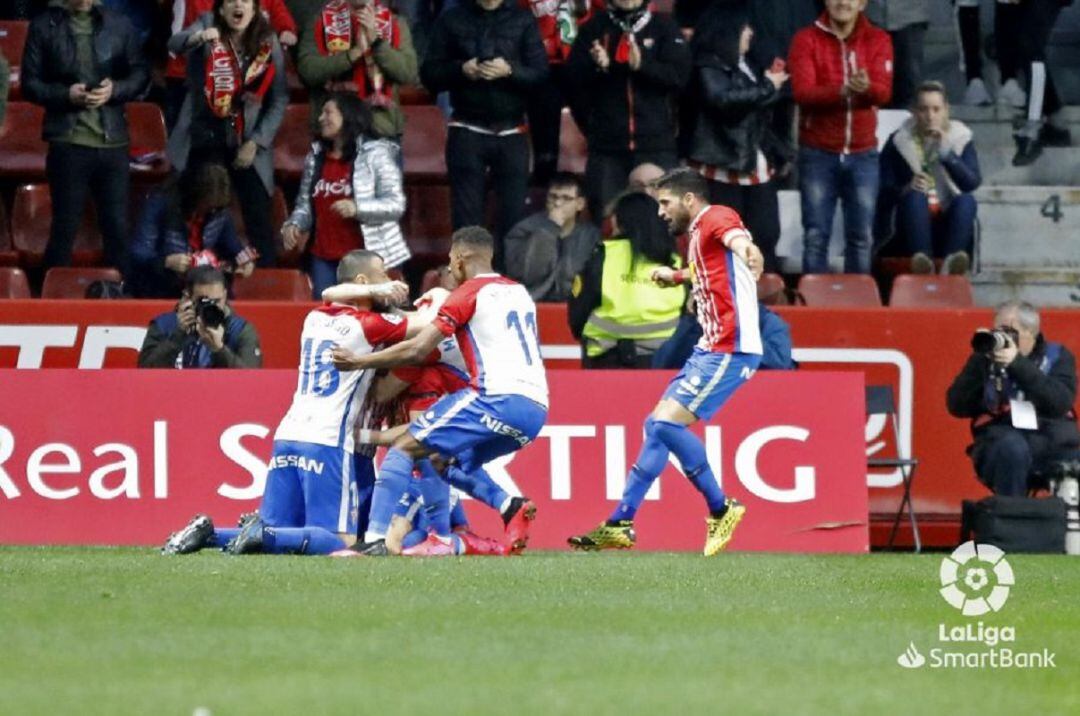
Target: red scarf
{"points": [[334, 33], [225, 83]]}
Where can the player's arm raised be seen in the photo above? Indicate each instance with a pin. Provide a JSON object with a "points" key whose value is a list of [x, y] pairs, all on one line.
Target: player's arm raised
{"points": [[413, 350], [393, 292]]}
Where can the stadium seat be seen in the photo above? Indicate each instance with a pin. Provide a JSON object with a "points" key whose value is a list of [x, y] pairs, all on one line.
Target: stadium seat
{"points": [[427, 224], [429, 281], [273, 285], [414, 94], [838, 289], [146, 127], [298, 93], [12, 41], [31, 216], [880, 402], [13, 283], [72, 282], [573, 149], [929, 291], [8, 255], [21, 146], [292, 143], [424, 144], [771, 290]]}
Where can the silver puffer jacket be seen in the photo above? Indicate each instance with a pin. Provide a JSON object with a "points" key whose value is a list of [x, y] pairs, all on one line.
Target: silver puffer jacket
{"points": [[378, 192]]}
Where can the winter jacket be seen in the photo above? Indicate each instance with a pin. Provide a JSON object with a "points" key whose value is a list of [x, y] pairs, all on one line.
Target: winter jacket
{"points": [[631, 110], [166, 346], [377, 190], [820, 64], [467, 32], [186, 12], [893, 15], [49, 68], [545, 262]]}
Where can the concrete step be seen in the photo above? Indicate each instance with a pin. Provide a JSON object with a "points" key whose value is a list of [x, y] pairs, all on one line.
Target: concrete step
{"points": [[1040, 288], [1058, 166], [1028, 228]]}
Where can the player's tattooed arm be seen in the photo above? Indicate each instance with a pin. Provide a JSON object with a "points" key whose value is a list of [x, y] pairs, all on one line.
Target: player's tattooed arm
{"points": [[392, 292], [408, 352]]}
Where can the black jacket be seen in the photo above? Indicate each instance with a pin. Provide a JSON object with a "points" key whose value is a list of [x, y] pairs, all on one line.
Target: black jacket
{"points": [[733, 117], [49, 68], [468, 32], [973, 394], [631, 111]]}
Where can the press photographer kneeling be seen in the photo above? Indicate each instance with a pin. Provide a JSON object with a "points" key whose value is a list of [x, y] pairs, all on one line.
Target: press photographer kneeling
{"points": [[1018, 389], [203, 331]]}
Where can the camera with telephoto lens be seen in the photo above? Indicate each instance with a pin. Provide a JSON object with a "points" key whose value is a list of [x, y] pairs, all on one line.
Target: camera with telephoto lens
{"points": [[988, 340], [211, 314]]}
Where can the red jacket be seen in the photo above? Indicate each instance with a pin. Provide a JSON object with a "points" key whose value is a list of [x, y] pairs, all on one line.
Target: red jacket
{"points": [[820, 63], [186, 11]]}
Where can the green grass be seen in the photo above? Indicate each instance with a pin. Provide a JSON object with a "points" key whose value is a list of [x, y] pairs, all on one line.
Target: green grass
{"points": [[125, 631]]}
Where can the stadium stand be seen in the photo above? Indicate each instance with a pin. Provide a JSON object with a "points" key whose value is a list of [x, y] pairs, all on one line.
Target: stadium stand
{"points": [[573, 149], [922, 291], [414, 94], [31, 216], [839, 290], [273, 285], [8, 255], [426, 223], [298, 93], [13, 283], [146, 127], [771, 290], [279, 212], [12, 41], [292, 143], [21, 146], [424, 145], [72, 282], [429, 281]]}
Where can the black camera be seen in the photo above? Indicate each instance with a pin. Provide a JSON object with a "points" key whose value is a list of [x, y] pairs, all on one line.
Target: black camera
{"points": [[209, 312], [988, 340]]}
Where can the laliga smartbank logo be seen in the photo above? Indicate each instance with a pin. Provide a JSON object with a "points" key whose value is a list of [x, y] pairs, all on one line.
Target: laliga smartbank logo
{"points": [[975, 580]]}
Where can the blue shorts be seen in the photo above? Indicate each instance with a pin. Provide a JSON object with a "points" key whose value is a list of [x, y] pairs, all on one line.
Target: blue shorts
{"points": [[311, 485], [478, 428], [708, 379]]}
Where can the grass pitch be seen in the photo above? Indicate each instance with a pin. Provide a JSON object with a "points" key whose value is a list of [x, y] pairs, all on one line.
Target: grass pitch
{"points": [[125, 631]]}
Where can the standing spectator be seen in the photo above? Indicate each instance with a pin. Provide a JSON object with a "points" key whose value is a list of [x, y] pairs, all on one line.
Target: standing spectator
{"points": [[906, 22], [1008, 15], [1045, 125], [186, 223], [731, 141], [631, 65], [351, 194], [22, 9], [82, 63], [546, 250], [488, 55], [234, 107], [360, 46], [929, 170], [841, 73]]}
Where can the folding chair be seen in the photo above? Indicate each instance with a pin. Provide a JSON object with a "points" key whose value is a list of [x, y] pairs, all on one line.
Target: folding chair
{"points": [[880, 401]]}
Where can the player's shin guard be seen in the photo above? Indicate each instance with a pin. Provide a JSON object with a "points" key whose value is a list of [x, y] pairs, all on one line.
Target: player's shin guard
{"points": [[649, 464], [300, 540], [436, 494], [479, 485], [392, 483], [691, 454]]}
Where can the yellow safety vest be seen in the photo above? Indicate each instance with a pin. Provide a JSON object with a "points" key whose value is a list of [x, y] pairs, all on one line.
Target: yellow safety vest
{"points": [[632, 306]]}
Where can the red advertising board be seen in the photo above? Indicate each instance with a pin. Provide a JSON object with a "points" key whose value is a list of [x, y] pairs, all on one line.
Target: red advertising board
{"points": [[123, 457]]}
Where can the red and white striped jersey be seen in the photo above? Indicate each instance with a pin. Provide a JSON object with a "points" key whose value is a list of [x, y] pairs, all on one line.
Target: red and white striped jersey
{"points": [[723, 286], [494, 320]]}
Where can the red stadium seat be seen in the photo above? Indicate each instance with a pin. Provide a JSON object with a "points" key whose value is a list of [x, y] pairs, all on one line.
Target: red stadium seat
{"points": [[273, 285], [839, 289], [573, 149], [292, 143], [31, 216], [298, 93], [928, 291], [414, 94], [771, 290], [21, 147], [424, 144], [429, 281], [72, 282], [13, 283], [8, 255], [426, 222], [12, 41], [146, 126]]}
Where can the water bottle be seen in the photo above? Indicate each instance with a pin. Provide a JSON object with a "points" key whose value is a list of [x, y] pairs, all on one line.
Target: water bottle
{"points": [[1069, 492]]}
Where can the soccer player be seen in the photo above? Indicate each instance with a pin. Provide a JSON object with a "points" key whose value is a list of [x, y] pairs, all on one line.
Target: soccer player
{"points": [[724, 265], [503, 410], [310, 504]]}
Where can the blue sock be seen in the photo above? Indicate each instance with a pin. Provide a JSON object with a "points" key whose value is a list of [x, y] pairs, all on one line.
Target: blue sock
{"points": [[691, 454], [391, 484], [413, 538], [478, 484], [222, 535], [436, 495], [300, 540], [457, 516], [649, 464]]}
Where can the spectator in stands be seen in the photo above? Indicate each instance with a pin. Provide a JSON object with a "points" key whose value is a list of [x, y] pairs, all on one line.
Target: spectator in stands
{"points": [[1046, 124], [184, 13], [631, 65], [234, 107], [643, 178], [906, 22], [731, 141], [83, 64], [5, 80], [361, 47], [1008, 15], [22, 9], [929, 170], [488, 55], [351, 194], [186, 223], [841, 72], [1020, 400], [548, 249], [190, 337], [616, 309]]}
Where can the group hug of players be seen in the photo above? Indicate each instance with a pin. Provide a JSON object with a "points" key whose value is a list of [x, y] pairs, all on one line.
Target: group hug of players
{"points": [[459, 382]]}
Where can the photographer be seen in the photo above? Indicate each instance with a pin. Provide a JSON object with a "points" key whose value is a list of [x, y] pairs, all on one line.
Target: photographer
{"points": [[1018, 389], [202, 332]]}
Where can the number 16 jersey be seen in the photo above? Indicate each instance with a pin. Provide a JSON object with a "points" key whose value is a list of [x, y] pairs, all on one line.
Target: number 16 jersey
{"points": [[494, 319]]}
